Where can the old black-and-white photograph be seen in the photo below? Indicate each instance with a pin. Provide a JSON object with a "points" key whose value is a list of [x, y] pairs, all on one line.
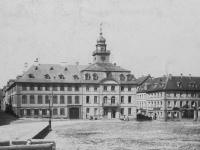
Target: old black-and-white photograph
{"points": [[99, 75]]}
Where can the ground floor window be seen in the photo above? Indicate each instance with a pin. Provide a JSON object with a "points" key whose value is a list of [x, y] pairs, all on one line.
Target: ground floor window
{"points": [[122, 111], [36, 112], [55, 111], [129, 111], [44, 112], [105, 112], [62, 111], [95, 111]]}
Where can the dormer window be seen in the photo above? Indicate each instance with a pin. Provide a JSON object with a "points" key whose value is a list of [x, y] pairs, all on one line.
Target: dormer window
{"points": [[75, 77], [61, 76], [47, 76], [95, 77], [87, 76], [66, 69], [179, 84], [31, 76], [36, 68], [122, 77], [108, 75], [51, 68], [129, 77]]}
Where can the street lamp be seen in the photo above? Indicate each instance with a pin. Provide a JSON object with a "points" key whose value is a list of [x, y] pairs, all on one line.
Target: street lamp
{"points": [[49, 114]]}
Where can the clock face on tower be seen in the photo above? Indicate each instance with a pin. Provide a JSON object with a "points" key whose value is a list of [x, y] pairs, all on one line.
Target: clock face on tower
{"points": [[103, 58]]}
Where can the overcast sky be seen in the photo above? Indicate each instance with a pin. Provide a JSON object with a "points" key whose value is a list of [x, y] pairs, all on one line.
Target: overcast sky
{"points": [[144, 36]]}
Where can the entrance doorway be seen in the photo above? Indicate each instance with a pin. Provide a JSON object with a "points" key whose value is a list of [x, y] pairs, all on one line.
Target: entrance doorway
{"points": [[74, 113], [113, 112]]}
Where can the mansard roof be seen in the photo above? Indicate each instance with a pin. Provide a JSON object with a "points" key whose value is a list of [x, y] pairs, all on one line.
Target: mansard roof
{"points": [[170, 83], [53, 70], [105, 67]]}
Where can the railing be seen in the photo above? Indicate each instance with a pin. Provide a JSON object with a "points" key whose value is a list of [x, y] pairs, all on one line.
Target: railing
{"points": [[110, 104]]}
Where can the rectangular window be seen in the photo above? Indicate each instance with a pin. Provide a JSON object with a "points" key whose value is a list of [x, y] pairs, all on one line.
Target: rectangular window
{"points": [[32, 99], [62, 88], [129, 88], [36, 112], [122, 111], [129, 99], [95, 99], [87, 99], [47, 99], [55, 99], [87, 88], [31, 87], [129, 111], [88, 110], [105, 88], [39, 99], [95, 88], [76, 99], [112, 88], [77, 88], [39, 87], [47, 88], [95, 111], [24, 99], [55, 111], [122, 88], [62, 111], [69, 99], [62, 99], [24, 88], [55, 88], [174, 94], [69, 88], [122, 99]]}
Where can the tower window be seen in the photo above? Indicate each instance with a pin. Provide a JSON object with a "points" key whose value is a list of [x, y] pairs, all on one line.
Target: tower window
{"points": [[36, 68]]}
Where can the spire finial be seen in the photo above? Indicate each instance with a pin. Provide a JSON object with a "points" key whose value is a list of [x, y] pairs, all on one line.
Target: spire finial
{"points": [[101, 29]]}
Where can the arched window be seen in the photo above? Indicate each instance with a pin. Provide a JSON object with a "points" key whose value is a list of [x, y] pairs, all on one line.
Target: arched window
{"points": [[105, 99], [87, 76], [129, 77], [47, 76], [112, 99], [95, 77], [122, 77], [24, 99], [61, 76]]}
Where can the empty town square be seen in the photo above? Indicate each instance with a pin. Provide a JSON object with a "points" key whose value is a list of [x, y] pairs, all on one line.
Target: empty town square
{"points": [[99, 75]]}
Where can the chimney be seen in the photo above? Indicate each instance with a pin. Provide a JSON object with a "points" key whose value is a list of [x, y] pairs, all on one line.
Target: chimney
{"points": [[115, 64], [77, 63], [36, 62], [190, 76], [181, 75], [25, 67], [149, 74]]}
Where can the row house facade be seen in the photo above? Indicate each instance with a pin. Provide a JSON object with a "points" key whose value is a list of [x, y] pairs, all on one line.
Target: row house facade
{"points": [[101, 89], [170, 97]]}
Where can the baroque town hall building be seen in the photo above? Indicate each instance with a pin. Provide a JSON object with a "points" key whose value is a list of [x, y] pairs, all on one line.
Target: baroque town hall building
{"points": [[102, 89]]}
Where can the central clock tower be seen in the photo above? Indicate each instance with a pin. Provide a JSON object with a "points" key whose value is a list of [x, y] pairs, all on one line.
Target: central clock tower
{"points": [[101, 54]]}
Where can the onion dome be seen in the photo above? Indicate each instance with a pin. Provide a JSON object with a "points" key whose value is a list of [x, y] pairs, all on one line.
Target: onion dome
{"points": [[101, 39]]}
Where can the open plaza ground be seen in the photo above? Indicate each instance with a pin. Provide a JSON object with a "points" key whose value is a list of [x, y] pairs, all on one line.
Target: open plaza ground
{"points": [[133, 135]]}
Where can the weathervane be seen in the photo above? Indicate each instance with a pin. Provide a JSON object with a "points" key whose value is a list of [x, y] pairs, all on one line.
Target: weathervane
{"points": [[101, 28]]}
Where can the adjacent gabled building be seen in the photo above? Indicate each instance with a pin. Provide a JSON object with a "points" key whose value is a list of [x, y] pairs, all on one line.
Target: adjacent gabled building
{"points": [[102, 89], [170, 97]]}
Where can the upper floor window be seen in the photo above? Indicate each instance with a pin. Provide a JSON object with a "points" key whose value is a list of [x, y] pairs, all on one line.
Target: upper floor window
{"points": [[112, 88], [51, 68], [24, 88], [105, 99], [66, 69], [75, 77], [129, 88], [47, 100], [24, 99], [69, 99], [69, 88], [54, 87], [31, 76], [39, 87], [62, 99], [95, 99], [122, 99], [87, 76], [31, 87], [129, 99], [47, 76], [76, 99], [32, 99], [55, 99], [105, 88], [122, 88], [87, 88], [108, 75], [61, 76], [40, 99], [62, 88], [112, 99], [95, 77], [129, 77], [47, 88], [87, 99], [76, 88], [179, 84], [95, 87], [129, 111], [122, 77], [62, 111]]}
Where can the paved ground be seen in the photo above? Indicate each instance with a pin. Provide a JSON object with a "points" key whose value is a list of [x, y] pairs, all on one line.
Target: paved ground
{"points": [[133, 135]]}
